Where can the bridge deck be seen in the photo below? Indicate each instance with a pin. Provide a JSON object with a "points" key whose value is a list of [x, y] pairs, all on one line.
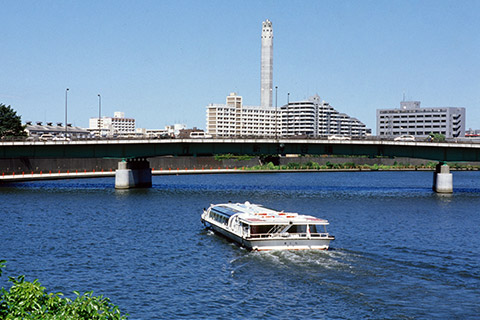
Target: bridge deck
{"points": [[125, 149]]}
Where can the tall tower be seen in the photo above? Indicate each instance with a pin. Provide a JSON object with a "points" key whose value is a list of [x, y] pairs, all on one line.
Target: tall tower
{"points": [[266, 64]]}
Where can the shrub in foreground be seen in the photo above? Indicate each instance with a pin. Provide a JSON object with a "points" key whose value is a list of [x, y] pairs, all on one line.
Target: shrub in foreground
{"points": [[28, 300]]}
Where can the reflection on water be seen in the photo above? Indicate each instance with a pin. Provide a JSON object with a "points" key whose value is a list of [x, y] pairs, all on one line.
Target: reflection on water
{"points": [[400, 251]]}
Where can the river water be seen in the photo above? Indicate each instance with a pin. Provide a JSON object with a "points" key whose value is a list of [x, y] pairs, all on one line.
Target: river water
{"points": [[401, 251]]}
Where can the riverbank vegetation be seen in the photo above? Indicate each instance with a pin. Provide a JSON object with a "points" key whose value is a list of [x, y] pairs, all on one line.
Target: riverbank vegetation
{"points": [[311, 165], [28, 300], [229, 156]]}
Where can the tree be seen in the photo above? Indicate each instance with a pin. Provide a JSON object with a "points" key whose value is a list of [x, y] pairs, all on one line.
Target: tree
{"points": [[10, 123], [436, 137], [28, 300]]}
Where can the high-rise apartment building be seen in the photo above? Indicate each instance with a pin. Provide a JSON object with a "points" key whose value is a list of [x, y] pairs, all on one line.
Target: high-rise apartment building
{"points": [[411, 119]]}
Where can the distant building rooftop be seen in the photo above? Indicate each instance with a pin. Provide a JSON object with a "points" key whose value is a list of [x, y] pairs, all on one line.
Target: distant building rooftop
{"points": [[39, 128]]}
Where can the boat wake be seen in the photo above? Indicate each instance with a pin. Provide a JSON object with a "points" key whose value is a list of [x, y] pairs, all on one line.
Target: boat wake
{"points": [[304, 260]]}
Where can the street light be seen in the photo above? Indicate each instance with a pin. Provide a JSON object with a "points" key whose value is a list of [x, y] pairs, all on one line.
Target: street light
{"points": [[66, 95], [99, 114]]}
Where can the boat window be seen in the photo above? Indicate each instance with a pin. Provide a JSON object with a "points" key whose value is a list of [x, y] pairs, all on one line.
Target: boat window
{"points": [[297, 228], [218, 217], [260, 229], [317, 228], [225, 211]]}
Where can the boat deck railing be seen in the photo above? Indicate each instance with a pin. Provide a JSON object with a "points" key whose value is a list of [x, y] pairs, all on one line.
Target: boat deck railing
{"points": [[289, 235]]}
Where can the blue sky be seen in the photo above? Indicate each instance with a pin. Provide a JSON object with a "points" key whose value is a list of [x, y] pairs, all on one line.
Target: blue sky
{"points": [[162, 62]]}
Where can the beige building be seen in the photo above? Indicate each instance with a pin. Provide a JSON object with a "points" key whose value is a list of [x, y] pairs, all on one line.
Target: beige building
{"points": [[233, 119], [108, 126]]}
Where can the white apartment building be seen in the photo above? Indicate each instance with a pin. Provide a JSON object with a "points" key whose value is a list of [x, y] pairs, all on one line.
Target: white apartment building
{"points": [[312, 118], [316, 118], [233, 119], [411, 119], [108, 126]]}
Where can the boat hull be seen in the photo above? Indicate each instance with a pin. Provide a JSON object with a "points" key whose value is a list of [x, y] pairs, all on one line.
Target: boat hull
{"points": [[289, 244]]}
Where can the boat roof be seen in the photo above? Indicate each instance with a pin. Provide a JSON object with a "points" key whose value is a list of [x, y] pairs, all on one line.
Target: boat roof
{"points": [[258, 214]]}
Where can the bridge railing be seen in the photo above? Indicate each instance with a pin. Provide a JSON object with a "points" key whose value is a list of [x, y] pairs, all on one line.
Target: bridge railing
{"points": [[473, 140]]}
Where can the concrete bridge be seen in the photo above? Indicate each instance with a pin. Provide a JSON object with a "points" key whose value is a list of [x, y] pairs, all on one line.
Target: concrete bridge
{"points": [[134, 169]]}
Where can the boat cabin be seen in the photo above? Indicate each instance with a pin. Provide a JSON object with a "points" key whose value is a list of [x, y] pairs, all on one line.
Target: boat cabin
{"points": [[270, 222]]}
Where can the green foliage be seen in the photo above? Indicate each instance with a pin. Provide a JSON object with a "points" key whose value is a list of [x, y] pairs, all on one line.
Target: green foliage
{"points": [[229, 156], [10, 123], [351, 165], [312, 165], [28, 300], [436, 137], [244, 158], [293, 165], [337, 166], [461, 166], [220, 157], [334, 165], [431, 165], [271, 166], [2, 265]]}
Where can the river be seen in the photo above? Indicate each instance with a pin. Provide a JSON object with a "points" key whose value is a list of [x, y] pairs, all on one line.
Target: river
{"points": [[401, 251]]}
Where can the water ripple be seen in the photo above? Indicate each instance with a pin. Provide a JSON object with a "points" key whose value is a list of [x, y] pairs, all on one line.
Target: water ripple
{"points": [[401, 251]]}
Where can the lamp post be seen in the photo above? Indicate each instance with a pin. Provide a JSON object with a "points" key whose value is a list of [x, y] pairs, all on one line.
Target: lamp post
{"points": [[66, 95], [99, 115], [276, 113]]}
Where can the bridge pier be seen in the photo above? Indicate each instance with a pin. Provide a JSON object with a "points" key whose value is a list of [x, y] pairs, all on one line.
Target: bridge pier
{"points": [[442, 179], [135, 173]]}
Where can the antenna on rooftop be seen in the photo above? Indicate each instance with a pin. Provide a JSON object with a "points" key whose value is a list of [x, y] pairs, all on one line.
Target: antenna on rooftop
{"points": [[403, 96]]}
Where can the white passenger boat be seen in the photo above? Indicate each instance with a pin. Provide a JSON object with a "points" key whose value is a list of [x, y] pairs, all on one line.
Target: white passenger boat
{"points": [[258, 228]]}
